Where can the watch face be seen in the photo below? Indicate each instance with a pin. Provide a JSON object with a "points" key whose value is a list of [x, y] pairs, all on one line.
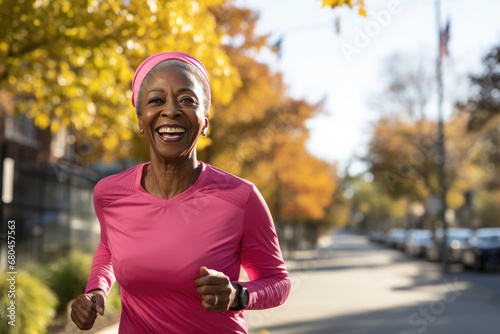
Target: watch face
{"points": [[244, 296]]}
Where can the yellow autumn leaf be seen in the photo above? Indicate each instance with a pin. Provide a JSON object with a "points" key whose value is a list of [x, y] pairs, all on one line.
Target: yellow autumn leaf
{"points": [[336, 3], [454, 198], [350, 3], [203, 142], [54, 126], [110, 142], [4, 46], [331, 3], [42, 120], [126, 135]]}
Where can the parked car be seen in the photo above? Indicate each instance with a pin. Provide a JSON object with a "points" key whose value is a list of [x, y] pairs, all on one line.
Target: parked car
{"points": [[416, 242], [376, 236], [456, 241], [483, 248], [396, 238]]}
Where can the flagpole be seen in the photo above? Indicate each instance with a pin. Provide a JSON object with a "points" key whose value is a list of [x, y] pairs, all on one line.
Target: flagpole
{"points": [[441, 143]]}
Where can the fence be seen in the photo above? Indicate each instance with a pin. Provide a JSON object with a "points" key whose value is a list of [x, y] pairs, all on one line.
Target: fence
{"points": [[53, 211]]}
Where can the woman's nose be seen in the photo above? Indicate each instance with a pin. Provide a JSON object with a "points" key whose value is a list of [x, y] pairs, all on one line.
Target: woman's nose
{"points": [[171, 110]]}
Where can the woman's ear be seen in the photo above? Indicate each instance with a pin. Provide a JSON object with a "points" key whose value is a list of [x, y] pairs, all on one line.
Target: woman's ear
{"points": [[206, 123], [140, 122], [204, 129]]}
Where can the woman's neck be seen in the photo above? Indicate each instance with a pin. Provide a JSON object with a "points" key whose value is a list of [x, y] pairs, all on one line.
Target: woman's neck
{"points": [[166, 179]]}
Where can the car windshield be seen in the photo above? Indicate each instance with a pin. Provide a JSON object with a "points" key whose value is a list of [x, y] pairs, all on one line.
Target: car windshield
{"points": [[489, 232], [423, 236], [459, 234], [491, 239], [459, 238]]}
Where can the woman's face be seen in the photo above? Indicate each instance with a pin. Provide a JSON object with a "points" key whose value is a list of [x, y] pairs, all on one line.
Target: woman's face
{"points": [[173, 114]]}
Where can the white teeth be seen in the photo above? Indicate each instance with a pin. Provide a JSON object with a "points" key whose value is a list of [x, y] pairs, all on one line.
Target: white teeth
{"points": [[171, 130]]}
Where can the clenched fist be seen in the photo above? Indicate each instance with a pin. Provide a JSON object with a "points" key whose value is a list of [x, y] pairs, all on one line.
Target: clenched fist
{"points": [[85, 308], [217, 292]]}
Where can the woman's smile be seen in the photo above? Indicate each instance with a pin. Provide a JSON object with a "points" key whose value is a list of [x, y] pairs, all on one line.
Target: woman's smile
{"points": [[170, 133]]}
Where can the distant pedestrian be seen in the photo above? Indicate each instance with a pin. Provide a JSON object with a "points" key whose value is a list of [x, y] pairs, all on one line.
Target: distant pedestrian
{"points": [[175, 230]]}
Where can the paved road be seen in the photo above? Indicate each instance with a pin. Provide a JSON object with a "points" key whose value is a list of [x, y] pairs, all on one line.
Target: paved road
{"points": [[354, 287]]}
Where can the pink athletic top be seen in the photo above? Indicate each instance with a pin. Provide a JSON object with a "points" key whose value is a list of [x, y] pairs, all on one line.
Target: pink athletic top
{"points": [[155, 248]]}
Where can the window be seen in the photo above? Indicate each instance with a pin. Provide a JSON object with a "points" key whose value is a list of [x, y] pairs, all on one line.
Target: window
{"points": [[21, 130]]}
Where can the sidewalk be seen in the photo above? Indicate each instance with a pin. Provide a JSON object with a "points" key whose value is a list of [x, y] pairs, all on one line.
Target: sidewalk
{"points": [[109, 330]]}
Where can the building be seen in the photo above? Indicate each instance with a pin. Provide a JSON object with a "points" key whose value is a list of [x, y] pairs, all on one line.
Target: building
{"points": [[45, 191]]}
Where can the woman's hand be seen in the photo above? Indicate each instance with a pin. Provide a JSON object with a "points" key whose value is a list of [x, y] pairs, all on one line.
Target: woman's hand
{"points": [[213, 283], [85, 308]]}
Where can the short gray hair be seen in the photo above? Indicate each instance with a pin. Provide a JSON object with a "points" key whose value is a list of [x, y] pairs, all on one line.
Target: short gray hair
{"points": [[178, 63]]}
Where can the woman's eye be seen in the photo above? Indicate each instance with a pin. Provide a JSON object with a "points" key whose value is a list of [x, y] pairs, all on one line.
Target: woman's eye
{"points": [[155, 100], [187, 100]]}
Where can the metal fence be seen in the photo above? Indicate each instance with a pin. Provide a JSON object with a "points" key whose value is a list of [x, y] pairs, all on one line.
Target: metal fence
{"points": [[53, 211]]}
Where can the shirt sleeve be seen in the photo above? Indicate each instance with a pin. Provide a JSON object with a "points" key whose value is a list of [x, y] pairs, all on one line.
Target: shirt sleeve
{"points": [[261, 257], [101, 273]]}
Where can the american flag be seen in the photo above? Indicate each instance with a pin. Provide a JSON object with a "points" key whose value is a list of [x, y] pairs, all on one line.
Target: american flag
{"points": [[444, 37]]}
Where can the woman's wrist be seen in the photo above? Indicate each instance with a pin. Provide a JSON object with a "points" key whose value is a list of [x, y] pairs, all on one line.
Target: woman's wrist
{"points": [[99, 291], [237, 289]]}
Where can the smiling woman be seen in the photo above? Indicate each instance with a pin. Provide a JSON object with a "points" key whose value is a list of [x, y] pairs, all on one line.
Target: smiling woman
{"points": [[175, 231], [171, 113]]}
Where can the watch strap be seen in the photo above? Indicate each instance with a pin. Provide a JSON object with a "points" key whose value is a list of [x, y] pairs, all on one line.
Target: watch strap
{"points": [[242, 295]]}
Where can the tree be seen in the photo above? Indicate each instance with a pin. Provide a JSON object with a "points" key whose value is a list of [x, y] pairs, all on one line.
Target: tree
{"points": [[483, 110], [339, 211], [484, 104], [261, 134], [487, 208], [408, 88], [403, 150], [71, 63], [403, 156], [351, 3], [374, 206]]}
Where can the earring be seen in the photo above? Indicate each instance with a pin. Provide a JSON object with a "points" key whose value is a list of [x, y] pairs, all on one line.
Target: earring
{"points": [[141, 132], [204, 132]]}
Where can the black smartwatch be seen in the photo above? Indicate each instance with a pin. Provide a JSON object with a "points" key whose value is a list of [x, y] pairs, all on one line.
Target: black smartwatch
{"points": [[243, 298]]}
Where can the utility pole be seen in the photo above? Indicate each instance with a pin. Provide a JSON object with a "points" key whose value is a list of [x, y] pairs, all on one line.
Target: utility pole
{"points": [[441, 159]]}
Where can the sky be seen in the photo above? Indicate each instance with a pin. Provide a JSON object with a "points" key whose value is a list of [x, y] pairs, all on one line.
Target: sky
{"points": [[319, 63]]}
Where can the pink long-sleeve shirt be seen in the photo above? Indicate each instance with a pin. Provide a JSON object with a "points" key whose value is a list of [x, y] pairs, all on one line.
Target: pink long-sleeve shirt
{"points": [[155, 248]]}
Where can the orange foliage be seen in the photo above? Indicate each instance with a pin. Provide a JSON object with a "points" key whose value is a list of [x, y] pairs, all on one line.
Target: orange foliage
{"points": [[261, 134], [404, 156]]}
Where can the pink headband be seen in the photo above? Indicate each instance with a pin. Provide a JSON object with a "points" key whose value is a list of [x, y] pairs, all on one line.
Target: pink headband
{"points": [[154, 60]]}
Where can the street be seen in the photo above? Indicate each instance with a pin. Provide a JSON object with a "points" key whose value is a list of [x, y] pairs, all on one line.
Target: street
{"points": [[350, 286]]}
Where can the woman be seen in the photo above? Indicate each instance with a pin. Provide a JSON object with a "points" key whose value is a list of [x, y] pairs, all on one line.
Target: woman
{"points": [[174, 231]]}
